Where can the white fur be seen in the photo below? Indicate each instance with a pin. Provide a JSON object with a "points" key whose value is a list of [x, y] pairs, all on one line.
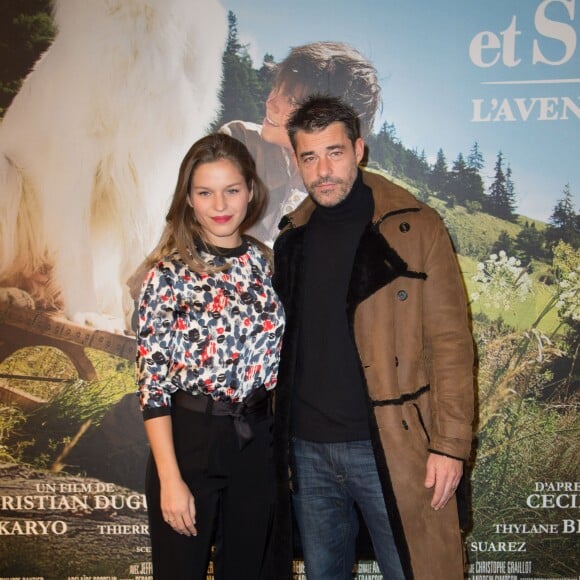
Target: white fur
{"points": [[91, 145]]}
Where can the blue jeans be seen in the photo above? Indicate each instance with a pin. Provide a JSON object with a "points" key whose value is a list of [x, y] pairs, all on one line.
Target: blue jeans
{"points": [[331, 478]]}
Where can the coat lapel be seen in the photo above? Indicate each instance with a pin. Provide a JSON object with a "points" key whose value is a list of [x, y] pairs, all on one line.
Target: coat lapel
{"points": [[376, 264]]}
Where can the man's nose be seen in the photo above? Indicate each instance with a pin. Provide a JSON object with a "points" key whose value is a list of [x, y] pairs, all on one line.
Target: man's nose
{"points": [[324, 166]]}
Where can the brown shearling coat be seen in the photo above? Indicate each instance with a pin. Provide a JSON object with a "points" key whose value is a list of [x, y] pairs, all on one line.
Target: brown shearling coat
{"points": [[407, 306]]}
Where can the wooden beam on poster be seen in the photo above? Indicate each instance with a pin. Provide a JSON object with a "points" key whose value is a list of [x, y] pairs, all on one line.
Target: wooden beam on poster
{"points": [[21, 327]]}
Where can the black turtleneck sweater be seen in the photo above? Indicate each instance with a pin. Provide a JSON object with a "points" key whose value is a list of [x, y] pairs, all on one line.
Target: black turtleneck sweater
{"points": [[330, 402]]}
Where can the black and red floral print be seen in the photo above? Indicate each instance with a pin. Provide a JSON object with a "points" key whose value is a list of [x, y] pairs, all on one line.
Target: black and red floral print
{"points": [[217, 334]]}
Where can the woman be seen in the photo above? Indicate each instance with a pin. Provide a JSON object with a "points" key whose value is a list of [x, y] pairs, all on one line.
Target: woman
{"points": [[209, 336]]}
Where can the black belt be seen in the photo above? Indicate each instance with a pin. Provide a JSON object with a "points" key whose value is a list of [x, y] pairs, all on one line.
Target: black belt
{"points": [[255, 408]]}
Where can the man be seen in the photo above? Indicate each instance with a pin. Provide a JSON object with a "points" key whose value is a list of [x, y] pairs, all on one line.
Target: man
{"points": [[375, 390], [330, 67]]}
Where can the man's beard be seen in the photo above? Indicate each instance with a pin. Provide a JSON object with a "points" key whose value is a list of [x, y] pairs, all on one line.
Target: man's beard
{"points": [[336, 197]]}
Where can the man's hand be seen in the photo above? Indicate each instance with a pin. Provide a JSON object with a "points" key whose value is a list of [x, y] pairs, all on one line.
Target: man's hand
{"points": [[443, 474]]}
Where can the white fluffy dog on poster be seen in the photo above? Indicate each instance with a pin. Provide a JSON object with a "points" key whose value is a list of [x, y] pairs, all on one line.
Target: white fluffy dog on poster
{"points": [[91, 145]]}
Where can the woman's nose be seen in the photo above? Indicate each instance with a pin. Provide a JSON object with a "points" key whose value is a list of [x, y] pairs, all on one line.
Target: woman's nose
{"points": [[219, 202]]}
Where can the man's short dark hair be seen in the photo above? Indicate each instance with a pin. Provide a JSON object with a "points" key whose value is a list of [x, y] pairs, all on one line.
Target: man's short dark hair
{"points": [[333, 68], [317, 112]]}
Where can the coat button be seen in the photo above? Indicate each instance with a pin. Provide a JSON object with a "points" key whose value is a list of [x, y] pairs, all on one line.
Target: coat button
{"points": [[402, 295], [404, 227]]}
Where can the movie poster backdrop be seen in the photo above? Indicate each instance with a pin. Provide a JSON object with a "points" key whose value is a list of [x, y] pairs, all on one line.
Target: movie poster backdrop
{"points": [[479, 118]]}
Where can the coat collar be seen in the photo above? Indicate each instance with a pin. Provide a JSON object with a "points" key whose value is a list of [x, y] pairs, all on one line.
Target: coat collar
{"points": [[376, 263], [389, 198]]}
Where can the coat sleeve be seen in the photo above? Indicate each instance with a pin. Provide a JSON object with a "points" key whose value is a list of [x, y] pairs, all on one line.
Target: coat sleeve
{"points": [[448, 349]]}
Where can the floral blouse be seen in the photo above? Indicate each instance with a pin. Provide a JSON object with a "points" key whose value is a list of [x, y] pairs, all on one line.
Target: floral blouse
{"points": [[218, 334]]}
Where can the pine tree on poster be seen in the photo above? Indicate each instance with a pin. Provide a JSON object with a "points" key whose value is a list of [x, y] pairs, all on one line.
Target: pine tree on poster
{"points": [[564, 223], [501, 198], [26, 31]]}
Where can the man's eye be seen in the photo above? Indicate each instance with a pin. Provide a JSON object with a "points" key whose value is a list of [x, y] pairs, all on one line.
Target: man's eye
{"points": [[307, 160]]}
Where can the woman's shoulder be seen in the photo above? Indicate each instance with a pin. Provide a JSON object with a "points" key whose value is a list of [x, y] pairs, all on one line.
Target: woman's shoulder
{"points": [[171, 266], [257, 248]]}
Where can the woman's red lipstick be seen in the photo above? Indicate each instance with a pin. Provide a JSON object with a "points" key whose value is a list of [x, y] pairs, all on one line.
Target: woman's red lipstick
{"points": [[222, 219]]}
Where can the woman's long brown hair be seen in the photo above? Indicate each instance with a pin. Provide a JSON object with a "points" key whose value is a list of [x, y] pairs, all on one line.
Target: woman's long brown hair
{"points": [[182, 233]]}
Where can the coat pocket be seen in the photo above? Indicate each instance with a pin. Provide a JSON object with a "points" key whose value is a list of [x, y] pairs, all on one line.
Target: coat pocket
{"points": [[421, 422]]}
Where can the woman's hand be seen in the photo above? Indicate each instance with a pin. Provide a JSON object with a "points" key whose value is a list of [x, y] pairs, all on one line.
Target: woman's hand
{"points": [[177, 502], [178, 507]]}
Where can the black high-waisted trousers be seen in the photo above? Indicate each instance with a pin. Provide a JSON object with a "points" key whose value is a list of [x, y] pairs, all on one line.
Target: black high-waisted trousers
{"points": [[234, 497]]}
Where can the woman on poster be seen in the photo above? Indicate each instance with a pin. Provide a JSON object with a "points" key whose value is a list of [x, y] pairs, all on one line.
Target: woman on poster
{"points": [[209, 334]]}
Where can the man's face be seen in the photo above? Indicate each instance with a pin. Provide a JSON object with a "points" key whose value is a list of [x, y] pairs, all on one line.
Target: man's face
{"points": [[280, 104], [328, 163]]}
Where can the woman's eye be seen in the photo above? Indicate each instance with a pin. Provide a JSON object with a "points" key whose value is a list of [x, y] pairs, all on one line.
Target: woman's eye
{"points": [[233, 191]]}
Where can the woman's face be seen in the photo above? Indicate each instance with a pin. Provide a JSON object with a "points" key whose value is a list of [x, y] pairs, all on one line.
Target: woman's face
{"points": [[219, 198], [281, 103]]}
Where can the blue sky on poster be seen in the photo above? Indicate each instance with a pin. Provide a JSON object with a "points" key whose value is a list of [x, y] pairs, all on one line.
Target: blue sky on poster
{"points": [[432, 89]]}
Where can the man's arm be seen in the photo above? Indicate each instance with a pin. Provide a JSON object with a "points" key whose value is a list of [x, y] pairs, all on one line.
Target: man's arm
{"points": [[449, 351]]}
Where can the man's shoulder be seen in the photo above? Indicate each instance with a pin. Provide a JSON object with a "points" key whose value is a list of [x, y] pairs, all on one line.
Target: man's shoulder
{"points": [[242, 130], [392, 198], [380, 183], [266, 155]]}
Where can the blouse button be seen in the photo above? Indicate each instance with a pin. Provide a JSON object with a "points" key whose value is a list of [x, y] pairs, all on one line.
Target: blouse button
{"points": [[404, 227], [402, 295]]}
